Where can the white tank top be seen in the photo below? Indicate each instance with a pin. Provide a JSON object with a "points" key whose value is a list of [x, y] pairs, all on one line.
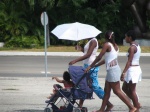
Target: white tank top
{"points": [[111, 57], [136, 56], [93, 55]]}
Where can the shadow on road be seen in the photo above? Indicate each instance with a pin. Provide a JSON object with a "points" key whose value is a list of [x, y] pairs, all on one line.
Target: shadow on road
{"points": [[115, 109]]}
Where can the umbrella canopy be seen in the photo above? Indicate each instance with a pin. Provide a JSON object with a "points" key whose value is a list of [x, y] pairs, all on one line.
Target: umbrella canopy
{"points": [[75, 31]]}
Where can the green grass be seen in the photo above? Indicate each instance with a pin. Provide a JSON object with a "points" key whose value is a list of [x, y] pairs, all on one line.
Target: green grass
{"points": [[145, 49]]}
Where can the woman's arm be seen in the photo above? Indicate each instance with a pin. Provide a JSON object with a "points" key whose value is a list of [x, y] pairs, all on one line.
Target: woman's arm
{"points": [[92, 45], [100, 63], [99, 57], [80, 48]]}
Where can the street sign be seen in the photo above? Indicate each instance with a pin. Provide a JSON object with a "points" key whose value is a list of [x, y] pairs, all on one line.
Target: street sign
{"points": [[44, 21], [44, 16]]}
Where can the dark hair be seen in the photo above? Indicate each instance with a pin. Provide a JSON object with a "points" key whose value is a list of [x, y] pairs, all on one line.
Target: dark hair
{"points": [[131, 33], [109, 35], [66, 76]]}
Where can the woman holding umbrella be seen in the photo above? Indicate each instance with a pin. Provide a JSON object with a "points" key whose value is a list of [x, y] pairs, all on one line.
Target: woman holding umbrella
{"points": [[90, 50], [110, 53]]}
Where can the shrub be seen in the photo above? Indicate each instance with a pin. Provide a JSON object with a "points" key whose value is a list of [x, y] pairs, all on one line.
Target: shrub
{"points": [[24, 42]]}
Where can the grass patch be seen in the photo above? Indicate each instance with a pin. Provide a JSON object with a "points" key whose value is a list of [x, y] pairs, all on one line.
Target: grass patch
{"points": [[145, 49]]}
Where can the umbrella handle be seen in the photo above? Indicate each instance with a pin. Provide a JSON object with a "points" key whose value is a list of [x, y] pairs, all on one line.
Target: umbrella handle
{"points": [[78, 47]]}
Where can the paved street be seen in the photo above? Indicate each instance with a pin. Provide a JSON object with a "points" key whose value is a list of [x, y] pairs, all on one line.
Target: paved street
{"points": [[34, 66], [28, 94], [24, 87]]}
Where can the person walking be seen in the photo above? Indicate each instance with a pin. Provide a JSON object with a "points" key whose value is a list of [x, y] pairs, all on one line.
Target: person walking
{"points": [[90, 50], [132, 72], [110, 52]]}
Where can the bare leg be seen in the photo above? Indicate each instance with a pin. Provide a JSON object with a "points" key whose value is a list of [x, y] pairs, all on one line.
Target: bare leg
{"points": [[116, 89], [126, 90], [109, 105], [49, 97], [106, 98], [81, 103], [132, 87]]}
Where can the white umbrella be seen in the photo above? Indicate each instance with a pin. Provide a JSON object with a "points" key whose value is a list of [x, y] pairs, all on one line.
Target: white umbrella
{"points": [[75, 31]]}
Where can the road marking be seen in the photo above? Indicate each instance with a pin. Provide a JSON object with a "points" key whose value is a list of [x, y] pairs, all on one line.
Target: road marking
{"points": [[43, 72]]}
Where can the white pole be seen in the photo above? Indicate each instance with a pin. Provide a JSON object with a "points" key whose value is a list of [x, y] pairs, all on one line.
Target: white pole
{"points": [[45, 44]]}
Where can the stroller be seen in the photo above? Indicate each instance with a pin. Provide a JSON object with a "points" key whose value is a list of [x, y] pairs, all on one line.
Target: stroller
{"points": [[65, 100]]}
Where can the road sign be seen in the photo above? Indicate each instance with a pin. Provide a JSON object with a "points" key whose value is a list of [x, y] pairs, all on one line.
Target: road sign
{"points": [[44, 21], [44, 16]]}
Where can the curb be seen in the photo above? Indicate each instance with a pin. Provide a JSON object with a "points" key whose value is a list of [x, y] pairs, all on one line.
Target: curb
{"points": [[10, 53]]}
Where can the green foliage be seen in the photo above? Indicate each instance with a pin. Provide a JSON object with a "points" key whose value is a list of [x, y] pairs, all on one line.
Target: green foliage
{"points": [[20, 19], [82, 43], [148, 23], [12, 23], [101, 41], [24, 42]]}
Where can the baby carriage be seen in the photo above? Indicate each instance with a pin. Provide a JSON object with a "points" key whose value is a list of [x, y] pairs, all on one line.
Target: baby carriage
{"points": [[65, 100]]}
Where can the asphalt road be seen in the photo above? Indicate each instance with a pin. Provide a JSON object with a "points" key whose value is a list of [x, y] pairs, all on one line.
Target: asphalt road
{"points": [[24, 87], [34, 66]]}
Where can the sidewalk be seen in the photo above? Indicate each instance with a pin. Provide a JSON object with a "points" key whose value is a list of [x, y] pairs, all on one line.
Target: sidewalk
{"points": [[20, 94], [17, 53]]}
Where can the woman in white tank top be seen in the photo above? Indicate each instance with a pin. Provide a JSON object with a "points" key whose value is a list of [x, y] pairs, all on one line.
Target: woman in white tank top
{"points": [[110, 53], [132, 71], [90, 50]]}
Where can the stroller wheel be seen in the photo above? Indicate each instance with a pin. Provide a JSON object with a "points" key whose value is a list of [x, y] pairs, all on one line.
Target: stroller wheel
{"points": [[48, 109], [77, 110], [84, 109]]}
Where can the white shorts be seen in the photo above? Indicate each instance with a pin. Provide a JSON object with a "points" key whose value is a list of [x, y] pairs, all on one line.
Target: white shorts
{"points": [[134, 74]]}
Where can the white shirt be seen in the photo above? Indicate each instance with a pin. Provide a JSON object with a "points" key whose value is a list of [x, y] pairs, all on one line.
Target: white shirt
{"points": [[111, 57], [93, 55], [136, 56]]}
